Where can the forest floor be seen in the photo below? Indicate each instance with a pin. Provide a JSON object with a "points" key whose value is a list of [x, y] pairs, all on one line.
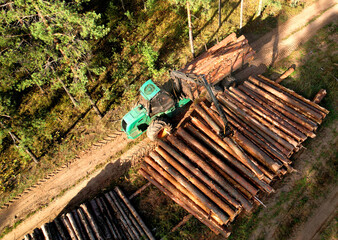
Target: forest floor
{"points": [[97, 168]]}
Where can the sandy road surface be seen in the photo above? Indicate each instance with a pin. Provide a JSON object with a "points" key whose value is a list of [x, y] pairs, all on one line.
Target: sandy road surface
{"points": [[328, 209], [270, 48], [42, 194]]}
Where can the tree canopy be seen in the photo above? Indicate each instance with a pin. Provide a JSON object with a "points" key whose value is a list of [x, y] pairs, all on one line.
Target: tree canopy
{"points": [[44, 46]]}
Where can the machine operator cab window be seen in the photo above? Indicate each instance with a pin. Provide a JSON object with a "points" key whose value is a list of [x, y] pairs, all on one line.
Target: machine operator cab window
{"points": [[157, 100]]}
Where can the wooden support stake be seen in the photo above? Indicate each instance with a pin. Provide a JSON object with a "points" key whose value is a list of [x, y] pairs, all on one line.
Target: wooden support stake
{"points": [[287, 73], [140, 190], [319, 96]]}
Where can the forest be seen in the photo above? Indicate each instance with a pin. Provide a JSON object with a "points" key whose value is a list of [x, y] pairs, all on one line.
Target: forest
{"points": [[71, 69]]}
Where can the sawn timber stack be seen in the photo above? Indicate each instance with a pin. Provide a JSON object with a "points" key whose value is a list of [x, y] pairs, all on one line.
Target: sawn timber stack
{"points": [[216, 179]]}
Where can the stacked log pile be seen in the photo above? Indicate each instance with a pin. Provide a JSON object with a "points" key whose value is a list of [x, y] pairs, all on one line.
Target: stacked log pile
{"points": [[222, 59], [108, 217], [216, 179]]}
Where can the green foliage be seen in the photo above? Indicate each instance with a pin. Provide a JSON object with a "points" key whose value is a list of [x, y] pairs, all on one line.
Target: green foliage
{"points": [[274, 3], [150, 56], [150, 4], [41, 44], [195, 4], [73, 47]]}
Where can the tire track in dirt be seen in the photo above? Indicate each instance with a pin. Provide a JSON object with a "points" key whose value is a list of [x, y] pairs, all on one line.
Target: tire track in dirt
{"points": [[64, 177], [71, 173], [94, 182], [286, 38], [320, 218]]}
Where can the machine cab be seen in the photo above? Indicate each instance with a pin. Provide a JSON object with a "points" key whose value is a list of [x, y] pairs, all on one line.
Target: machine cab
{"points": [[154, 103]]}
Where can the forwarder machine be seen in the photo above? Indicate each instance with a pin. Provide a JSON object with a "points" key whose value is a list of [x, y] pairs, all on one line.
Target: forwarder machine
{"points": [[157, 107]]}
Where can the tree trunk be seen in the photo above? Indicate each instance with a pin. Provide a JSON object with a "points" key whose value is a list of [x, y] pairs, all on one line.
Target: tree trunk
{"points": [[260, 7], [123, 5], [241, 17], [190, 31], [17, 141], [41, 90], [97, 110], [219, 13], [68, 93]]}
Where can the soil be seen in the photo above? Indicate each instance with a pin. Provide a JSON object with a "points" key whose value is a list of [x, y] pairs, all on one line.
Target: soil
{"points": [[84, 176], [323, 215], [318, 210]]}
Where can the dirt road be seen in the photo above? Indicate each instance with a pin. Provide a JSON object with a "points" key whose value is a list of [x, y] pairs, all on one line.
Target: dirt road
{"points": [[320, 218], [42, 193], [83, 177], [286, 38]]}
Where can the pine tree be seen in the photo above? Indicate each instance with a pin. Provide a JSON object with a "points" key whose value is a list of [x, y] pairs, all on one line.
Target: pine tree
{"points": [[191, 4], [44, 46], [47, 43]]}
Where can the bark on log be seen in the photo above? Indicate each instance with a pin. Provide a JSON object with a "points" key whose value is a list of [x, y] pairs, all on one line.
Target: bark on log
{"points": [[61, 229], [161, 183], [295, 95], [46, 231], [229, 158], [86, 224], [100, 220], [166, 148], [27, 237], [79, 224], [121, 217], [124, 214], [319, 96], [269, 116], [140, 190], [209, 155], [285, 74], [111, 217], [135, 214], [170, 161], [92, 222], [248, 146], [211, 172], [288, 141], [68, 226], [194, 197], [291, 102], [190, 187], [75, 227], [37, 234], [290, 118], [256, 136], [229, 146], [185, 204], [286, 110], [254, 123], [106, 218]]}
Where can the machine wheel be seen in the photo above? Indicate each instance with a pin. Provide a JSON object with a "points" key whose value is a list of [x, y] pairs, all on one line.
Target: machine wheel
{"points": [[158, 128]]}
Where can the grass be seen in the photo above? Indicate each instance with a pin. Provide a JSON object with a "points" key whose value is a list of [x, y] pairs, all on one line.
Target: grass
{"points": [[331, 231], [164, 28], [244, 226], [316, 69]]}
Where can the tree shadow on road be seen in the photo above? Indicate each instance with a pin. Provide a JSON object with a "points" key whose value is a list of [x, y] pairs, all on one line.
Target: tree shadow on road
{"points": [[107, 177]]}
